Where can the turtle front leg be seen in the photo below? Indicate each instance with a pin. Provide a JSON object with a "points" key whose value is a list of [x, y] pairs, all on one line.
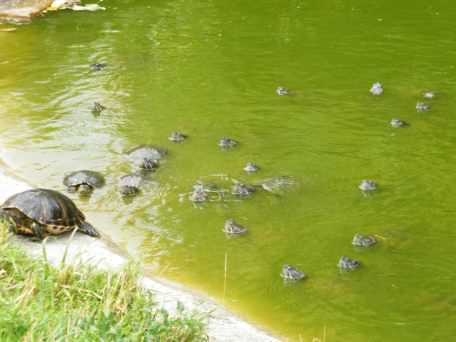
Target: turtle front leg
{"points": [[8, 221], [72, 188], [87, 228], [38, 231]]}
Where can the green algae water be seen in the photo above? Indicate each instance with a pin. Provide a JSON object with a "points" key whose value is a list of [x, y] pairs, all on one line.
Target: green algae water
{"points": [[210, 70]]}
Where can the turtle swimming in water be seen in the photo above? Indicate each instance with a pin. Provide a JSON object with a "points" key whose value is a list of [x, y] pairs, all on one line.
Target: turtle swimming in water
{"points": [[376, 89], [129, 185], [251, 167], [146, 156], [42, 212], [289, 273], [347, 264], [282, 91], [97, 108], [231, 227], [84, 181], [177, 137], [227, 143]]}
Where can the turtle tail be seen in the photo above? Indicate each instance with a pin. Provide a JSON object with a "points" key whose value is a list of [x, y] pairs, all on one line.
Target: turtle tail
{"points": [[87, 228]]}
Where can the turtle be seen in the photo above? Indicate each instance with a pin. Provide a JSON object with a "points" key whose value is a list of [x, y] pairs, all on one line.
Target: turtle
{"points": [[367, 185], [146, 156], [97, 108], [251, 167], [227, 143], [347, 264], [422, 107], [282, 91], [203, 192], [84, 181], [129, 185], [290, 273], [360, 240], [177, 137], [277, 184], [242, 190], [41, 212], [398, 123], [98, 66], [376, 89], [231, 227]]}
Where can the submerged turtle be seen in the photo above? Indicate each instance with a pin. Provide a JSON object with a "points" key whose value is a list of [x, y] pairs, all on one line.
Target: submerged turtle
{"points": [[360, 240], [367, 185], [84, 181], [347, 264], [291, 274], [398, 123], [203, 192], [242, 190], [251, 167], [231, 227], [41, 212], [227, 143], [98, 66], [177, 137], [130, 185], [282, 91], [376, 89], [97, 108], [146, 156], [277, 184], [422, 107]]}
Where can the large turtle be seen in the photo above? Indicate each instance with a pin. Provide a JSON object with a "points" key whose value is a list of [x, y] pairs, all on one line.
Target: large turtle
{"points": [[84, 181], [146, 156], [41, 212]]}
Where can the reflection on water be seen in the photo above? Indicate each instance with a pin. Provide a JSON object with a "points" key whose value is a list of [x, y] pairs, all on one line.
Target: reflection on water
{"points": [[210, 71]]}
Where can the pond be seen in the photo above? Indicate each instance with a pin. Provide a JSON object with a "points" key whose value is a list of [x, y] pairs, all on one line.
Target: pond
{"points": [[210, 69]]}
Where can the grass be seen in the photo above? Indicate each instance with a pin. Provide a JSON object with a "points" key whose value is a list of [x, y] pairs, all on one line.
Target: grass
{"points": [[41, 303]]}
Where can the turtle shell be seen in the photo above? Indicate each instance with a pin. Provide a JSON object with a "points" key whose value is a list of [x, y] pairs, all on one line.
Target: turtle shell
{"points": [[47, 207], [145, 152], [92, 178]]}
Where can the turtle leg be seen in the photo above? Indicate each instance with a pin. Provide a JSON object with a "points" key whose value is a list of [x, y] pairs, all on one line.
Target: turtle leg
{"points": [[87, 228], [38, 231], [8, 221]]}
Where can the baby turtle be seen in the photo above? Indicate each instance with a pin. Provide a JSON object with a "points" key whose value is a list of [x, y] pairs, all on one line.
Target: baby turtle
{"points": [[360, 240], [146, 156], [376, 89], [398, 123], [231, 227], [242, 190], [251, 167], [98, 66], [84, 181], [203, 192], [282, 91], [347, 264], [422, 107], [41, 212], [227, 143], [367, 185], [290, 273], [129, 185], [429, 95], [277, 184], [97, 108], [177, 137]]}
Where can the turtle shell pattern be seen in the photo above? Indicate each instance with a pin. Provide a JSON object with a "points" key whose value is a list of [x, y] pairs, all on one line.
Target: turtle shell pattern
{"points": [[50, 208], [88, 177]]}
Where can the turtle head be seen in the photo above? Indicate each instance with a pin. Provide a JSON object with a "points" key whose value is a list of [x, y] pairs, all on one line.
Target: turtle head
{"points": [[85, 189]]}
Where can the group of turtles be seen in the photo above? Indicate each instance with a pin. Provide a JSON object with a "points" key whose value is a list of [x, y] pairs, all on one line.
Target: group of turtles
{"points": [[41, 212], [290, 273]]}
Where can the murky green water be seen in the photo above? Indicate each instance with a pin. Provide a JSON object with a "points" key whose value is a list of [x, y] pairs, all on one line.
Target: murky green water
{"points": [[210, 69]]}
